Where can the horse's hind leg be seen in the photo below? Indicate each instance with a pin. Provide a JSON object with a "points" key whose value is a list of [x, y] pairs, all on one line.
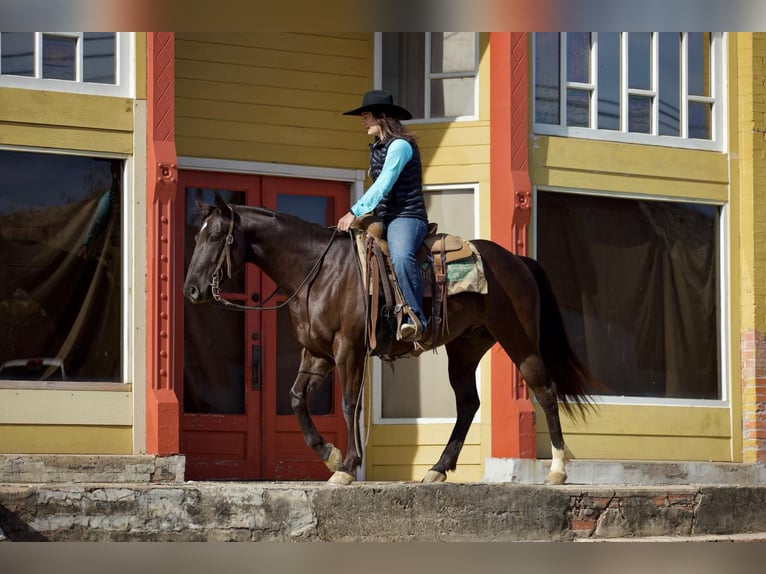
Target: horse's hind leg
{"points": [[313, 371], [464, 354], [536, 376]]}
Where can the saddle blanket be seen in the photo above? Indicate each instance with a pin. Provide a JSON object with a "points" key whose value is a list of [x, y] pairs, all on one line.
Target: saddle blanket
{"points": [[464, 275]]}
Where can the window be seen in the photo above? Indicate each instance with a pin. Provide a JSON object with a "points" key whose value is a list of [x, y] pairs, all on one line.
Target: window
{"points": [[638, 284], [432, 74], [421, 389], [60, 267], [86, 62], [663, 88]]}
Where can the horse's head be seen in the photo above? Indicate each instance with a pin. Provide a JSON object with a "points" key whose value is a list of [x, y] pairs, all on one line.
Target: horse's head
{"points": [[220, 250]]}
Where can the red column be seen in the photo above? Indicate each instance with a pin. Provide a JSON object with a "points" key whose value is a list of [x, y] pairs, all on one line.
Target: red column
{"points": [[513, 423], [162, 405]]}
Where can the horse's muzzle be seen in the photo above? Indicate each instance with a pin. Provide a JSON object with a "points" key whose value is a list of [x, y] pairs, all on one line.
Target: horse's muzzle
{"points": [[192, 294]]}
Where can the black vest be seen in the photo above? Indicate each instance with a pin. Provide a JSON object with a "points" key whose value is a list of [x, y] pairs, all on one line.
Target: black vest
{"points": [[406, 197]]}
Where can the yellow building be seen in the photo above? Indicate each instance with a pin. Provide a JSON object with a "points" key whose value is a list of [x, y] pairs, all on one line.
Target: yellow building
{"points": [[626, 163]]}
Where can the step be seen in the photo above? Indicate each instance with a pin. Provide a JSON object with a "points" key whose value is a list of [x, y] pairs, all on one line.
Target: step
{"points": [[634, 473], [73, 468]]}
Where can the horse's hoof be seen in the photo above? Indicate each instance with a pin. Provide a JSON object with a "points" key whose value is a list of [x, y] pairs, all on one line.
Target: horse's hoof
{"points": [[342, 478], [556, 477], [335, 459], [434, 476]]}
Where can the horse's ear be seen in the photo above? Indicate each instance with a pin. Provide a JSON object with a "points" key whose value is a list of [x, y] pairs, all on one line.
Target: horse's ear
{"points": [[220, 203]]}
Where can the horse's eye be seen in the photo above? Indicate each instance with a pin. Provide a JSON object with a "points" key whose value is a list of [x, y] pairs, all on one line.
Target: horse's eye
{"points": [[214, 238]]}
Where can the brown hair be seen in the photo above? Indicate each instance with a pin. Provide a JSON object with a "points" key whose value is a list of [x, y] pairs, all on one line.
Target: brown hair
{"points": [[393, 128]]}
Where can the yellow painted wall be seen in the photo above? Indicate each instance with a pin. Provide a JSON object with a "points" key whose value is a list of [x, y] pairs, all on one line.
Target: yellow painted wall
{"points": [[272, 97], [69, 417]]}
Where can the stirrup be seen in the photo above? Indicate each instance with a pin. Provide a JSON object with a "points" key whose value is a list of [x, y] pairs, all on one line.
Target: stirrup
{"points": [[409, 332]]}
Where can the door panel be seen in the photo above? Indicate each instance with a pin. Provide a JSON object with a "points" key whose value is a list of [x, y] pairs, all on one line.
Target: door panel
{"points": [[220, 428], [238, 367], [286, 455]]}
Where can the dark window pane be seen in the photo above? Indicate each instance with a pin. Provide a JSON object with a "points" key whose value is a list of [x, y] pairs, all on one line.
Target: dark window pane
{"points": [[640, 60], [639, 114], [61, 265], [578, 108], [578, 57], [547, 83], [404, 69], [637, 282], [59, 57], [609, 80], [699, 63], [670, 87], [699, 120], [99, 57], [18, 53]]}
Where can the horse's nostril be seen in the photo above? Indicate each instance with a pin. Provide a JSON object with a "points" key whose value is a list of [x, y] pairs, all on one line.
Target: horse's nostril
{"points": [[192, 293]]}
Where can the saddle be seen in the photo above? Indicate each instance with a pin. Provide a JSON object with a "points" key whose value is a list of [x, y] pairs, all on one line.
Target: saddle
{"points": [[388, 310]]}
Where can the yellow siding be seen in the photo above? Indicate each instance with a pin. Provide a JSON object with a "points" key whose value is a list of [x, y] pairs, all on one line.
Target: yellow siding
{"points": [[66, 407], [272, 97], [65, 439], [66, 121]]}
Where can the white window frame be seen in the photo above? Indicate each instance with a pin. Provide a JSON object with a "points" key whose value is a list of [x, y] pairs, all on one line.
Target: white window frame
{"points": [[724, 341], [717, 99], [428, 76], [124, 57], [377, 365]]}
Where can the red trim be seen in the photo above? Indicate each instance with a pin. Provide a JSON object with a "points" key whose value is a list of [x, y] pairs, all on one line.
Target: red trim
{"points": [[513, 425], [162, 406]]}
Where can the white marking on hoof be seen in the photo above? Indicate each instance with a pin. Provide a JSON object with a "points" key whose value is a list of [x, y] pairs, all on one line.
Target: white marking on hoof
{"points": [[335, 459], [556, 478], [557, 474], [341, 478], [434, 476]]}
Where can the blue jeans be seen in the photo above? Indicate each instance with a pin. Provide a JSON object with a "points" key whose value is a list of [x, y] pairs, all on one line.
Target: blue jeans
{"points": [[405, 235]]}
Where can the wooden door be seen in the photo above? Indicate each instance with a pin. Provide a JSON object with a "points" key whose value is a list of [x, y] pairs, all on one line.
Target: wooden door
{"points": [[239, 366]]}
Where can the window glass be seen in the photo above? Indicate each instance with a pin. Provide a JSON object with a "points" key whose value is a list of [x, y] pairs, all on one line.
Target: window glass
{"points": [[59, 57], [547, 82], [421, 388], [670, 87], [637, 281], [98, 57], [18, 53], [60, 267], [432, 74], [650, 88], [609, 81], [578, 57], [639, 60], [699, 63]]}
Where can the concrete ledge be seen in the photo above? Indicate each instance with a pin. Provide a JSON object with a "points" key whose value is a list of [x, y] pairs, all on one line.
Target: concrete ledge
{"points": [[634, 473], [375, 512], [58, 468]]}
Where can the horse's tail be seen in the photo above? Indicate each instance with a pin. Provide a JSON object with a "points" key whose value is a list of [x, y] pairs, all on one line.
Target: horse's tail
{"points": [[573, 381]]}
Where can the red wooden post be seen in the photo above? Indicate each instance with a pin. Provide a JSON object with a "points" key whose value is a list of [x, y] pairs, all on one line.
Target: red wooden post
{"points": [[513, 422], [162, 405]]}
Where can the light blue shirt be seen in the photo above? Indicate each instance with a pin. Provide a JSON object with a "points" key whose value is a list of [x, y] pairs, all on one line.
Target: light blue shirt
{"points": [[397, 156]]}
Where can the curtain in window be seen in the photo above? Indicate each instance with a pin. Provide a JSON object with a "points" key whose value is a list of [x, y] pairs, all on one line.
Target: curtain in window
{"points": [[637, 281]]}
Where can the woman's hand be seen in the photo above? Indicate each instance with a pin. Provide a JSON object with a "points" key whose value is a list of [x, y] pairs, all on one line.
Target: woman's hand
{"points": [[344, 223]]}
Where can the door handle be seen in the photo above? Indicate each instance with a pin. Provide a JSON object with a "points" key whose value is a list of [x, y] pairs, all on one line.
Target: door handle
{"points": [[256, 368]]}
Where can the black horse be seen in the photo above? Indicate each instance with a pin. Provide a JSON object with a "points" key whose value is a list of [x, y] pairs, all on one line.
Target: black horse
{"points": [[328, 311]]}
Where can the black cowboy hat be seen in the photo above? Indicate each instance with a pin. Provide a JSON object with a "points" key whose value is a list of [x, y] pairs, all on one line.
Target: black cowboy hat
{"points": [[376, 101]]}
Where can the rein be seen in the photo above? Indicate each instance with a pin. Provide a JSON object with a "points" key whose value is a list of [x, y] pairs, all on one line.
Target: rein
{"points": [[225, 257]]}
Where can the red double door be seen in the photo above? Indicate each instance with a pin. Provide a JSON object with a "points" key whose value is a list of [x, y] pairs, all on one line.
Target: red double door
{"points": [[238, 366]]}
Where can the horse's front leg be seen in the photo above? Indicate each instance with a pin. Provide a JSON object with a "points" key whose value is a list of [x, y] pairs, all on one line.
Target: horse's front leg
{"points": [[313, 371], [351, 364]]}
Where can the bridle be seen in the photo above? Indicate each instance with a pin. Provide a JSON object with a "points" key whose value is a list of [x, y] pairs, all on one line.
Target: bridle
{"points": [[225, 257]]}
